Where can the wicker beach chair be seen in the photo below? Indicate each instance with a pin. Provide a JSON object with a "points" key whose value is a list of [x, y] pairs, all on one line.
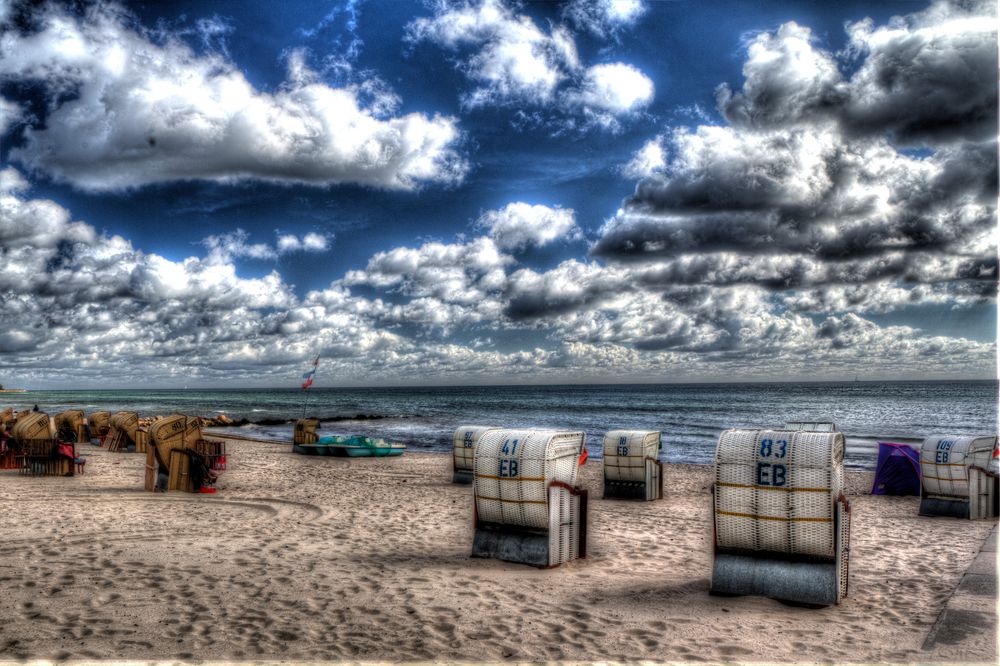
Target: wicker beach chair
{"points": [[959, 477], [632, 469], [100, 424], [37, 451], [71, 426], [7, 459], [528, 507], [7, 419], [179, 458], [463, 452], [304, 432], [781, 521], [121, 435]]}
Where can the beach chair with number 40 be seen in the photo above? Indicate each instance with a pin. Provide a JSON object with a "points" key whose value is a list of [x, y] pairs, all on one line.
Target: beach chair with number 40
{"points": [[631, 466]]}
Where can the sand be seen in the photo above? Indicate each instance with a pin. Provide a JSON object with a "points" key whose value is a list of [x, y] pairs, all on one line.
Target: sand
{"points": [[307, 558]]}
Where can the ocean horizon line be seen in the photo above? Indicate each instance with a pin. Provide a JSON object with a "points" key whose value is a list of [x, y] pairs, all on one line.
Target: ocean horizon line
{"points": [[733, 382]]}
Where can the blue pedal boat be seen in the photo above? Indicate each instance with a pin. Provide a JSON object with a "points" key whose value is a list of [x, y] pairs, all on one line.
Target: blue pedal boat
{"points": [[352, 447]]}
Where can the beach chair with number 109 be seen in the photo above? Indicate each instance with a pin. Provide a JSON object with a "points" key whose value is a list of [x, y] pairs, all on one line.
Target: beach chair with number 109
{"points": [[960, 477]]}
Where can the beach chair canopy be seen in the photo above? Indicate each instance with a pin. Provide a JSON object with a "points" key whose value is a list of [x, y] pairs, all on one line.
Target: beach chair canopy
{"points": [[897, 471], [776, 490], [513, 470], [33, 426]]}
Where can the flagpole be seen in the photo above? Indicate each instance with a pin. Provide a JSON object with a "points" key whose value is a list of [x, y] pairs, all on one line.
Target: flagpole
{"points": [[308, 377]]}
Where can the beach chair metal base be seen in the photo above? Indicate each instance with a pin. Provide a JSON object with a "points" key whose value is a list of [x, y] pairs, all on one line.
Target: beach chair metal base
{"points": [[949, 508], [564, 540], [801, 582], [798, 579], [463, 476], [511, 544]]}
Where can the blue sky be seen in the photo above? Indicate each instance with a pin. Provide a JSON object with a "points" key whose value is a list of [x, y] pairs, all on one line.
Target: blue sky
{"points": [[496, 192]]}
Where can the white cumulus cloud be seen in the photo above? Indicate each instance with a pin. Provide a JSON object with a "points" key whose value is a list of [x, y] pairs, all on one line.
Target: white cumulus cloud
{"points": [[605, 18], [519, 225], [513, 61], [310, 242], [150, 110], [648, 160]]}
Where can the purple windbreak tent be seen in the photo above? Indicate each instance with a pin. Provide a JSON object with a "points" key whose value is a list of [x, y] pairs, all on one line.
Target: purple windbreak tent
{"points": [[898, 470]]}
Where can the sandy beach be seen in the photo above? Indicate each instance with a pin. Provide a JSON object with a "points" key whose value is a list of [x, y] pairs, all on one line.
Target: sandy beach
{"points": [[305, 558]]}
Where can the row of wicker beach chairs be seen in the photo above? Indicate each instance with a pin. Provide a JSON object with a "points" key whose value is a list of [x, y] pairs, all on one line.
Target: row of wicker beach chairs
{"points": [[178, 457], [781, 520], [29, 444]]}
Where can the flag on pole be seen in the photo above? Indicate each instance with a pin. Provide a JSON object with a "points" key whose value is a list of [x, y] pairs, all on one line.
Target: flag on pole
{"points": [[308, 377]]}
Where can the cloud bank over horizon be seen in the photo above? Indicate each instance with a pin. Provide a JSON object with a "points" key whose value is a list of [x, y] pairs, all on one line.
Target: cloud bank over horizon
{"points": [[834, 193]]}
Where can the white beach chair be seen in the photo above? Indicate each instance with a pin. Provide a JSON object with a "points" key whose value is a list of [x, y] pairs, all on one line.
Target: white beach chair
{"points": [[631, 466], [959, 477], [781, 521], [463, 452], [527, 506]]}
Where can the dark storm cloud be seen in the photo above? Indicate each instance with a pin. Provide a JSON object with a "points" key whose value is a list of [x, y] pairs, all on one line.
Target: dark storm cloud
{"points": [[803, 193], [927, 78], [568, 288], [930, 79], [806, 192]]}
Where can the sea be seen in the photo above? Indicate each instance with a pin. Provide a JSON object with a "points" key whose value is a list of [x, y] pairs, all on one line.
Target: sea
{"points": [[689, 416]]}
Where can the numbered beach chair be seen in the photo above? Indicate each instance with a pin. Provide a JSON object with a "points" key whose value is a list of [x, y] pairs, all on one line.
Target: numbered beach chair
{"points": [[631, 467], [959, 477], [178, 458], [528, 507], [781, 521], [463, 456]]}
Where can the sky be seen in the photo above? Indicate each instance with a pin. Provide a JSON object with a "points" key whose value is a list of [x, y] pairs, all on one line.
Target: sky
{"points": [[213, 193]]}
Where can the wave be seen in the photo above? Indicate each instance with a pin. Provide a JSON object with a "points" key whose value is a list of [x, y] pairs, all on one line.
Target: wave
{"points": [[337, 418]]}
